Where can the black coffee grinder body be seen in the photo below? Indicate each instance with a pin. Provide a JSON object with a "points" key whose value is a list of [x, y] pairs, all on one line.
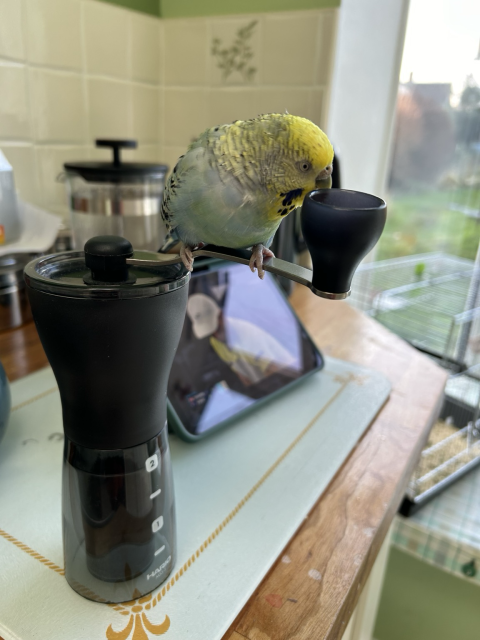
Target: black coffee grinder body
{"points": [[111, 346]]}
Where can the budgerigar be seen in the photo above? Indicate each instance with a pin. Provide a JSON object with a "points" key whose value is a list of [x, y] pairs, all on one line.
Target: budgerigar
{"points": [[238, 181]]}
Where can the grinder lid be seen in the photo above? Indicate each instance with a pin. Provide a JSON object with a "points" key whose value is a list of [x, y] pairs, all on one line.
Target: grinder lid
{"points": [[100, 271]]}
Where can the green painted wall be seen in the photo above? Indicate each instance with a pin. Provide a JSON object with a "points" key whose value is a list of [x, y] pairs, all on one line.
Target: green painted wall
{"points": [[188, 8], [152, 7], [185, 8]]}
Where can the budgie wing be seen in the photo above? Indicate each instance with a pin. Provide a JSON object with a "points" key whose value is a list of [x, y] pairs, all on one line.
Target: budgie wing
{"points": [[203, 204]]}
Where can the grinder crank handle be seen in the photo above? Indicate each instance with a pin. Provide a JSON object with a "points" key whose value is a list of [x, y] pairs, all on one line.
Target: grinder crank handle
{"points": [[275, 265]]}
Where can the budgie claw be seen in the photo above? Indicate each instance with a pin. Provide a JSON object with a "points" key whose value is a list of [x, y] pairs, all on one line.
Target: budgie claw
{"points": [[187, 257], [259, 252]]}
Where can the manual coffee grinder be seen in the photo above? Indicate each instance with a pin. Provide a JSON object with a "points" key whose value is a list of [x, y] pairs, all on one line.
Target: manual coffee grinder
{"points": [[110, 320]]}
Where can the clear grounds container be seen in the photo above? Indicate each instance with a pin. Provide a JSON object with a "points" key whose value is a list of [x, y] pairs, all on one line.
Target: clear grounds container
{"points": [[116, 198]]}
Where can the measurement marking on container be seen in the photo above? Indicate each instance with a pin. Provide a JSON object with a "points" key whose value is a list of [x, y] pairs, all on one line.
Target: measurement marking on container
{"points": [[159, 550], [155, 494], [157, 524], [151, 463]]}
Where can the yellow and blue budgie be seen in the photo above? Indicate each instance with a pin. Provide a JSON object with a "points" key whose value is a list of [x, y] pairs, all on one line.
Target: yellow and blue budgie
{"points": [[238, 181]]}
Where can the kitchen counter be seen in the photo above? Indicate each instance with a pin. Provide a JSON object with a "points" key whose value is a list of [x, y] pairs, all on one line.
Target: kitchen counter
{"points": [[346, 528]]}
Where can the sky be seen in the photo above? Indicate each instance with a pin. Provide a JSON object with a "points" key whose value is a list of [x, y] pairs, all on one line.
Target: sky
{"points": [[442, 42]]}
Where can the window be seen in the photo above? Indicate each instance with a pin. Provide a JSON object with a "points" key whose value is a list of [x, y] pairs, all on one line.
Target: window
{"points": [[434, 181]]}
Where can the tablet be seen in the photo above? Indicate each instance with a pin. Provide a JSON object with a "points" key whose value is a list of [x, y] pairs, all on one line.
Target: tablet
{"points": [[241, 345]]}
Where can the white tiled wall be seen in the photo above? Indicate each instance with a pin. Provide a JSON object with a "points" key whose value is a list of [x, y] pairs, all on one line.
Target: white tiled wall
{"points": [[292, 55], [75, 70], [71, 71]]}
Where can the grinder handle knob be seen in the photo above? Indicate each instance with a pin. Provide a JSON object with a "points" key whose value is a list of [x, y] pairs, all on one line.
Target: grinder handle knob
{"points": [[106, 257]]}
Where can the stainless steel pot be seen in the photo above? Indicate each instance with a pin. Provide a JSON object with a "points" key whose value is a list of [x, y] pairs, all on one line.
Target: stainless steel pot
{"points": [[14, 305]]}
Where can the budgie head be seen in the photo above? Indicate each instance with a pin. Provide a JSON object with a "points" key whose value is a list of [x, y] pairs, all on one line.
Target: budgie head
{"points": [[299, 154], [283, 155]]}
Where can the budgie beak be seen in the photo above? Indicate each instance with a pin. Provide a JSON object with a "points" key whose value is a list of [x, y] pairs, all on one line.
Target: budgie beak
{"points": [[326, 183], [324, 178]]}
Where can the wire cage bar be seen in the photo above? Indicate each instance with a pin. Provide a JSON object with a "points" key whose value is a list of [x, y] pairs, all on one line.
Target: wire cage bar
{"points": [[431, 300]]}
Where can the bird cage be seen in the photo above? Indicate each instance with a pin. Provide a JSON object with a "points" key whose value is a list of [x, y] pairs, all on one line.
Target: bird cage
{"points": [[430, 300]]}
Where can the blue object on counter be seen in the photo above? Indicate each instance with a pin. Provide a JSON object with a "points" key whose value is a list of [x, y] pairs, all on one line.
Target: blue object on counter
{"points": [[5, 401]]}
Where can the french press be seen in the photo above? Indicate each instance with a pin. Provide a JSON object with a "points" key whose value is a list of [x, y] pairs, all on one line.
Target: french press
{"points": [[116, 197], [110, 320]]}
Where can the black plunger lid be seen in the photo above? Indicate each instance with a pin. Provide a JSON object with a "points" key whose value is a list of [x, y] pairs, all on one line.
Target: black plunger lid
{"points": [[116, 171]]}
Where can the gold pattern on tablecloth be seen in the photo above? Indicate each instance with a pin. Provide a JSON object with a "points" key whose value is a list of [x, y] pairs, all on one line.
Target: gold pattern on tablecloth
{"points": [[20, 405], [344, 378], [31, 552]]}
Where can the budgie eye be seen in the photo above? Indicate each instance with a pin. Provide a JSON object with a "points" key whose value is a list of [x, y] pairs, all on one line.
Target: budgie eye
{"points": [[304, 165]]}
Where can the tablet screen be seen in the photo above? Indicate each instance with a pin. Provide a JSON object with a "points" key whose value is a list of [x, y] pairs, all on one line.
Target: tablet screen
{"points": [[241, 342]]}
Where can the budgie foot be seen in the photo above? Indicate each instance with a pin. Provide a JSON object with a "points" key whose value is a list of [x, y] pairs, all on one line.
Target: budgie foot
{"points": [[187, 256], [259, 252]]}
